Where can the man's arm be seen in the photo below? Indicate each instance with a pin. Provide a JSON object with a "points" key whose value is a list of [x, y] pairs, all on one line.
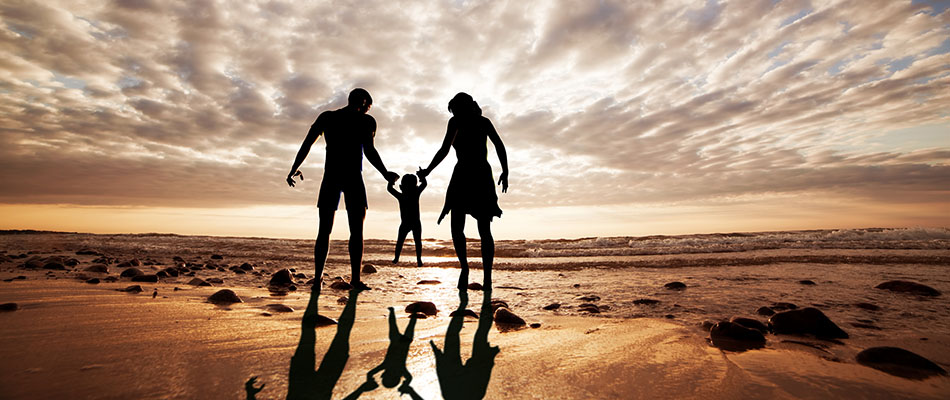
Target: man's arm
{"points": [[502, 155], [315, 131], [369, 149]]}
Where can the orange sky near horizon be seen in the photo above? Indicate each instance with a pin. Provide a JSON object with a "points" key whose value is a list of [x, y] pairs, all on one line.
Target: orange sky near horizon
{"points": [[619, 118]]}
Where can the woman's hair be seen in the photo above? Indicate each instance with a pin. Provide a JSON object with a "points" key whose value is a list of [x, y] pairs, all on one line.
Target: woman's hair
{"points": [[463, 104]]}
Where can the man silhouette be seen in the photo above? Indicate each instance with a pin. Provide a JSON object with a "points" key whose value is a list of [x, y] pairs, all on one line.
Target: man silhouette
{"points": [[349, 133]]}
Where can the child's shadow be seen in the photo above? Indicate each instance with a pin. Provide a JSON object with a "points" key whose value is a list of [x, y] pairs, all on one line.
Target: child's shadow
{"points": [[468, 380], [394, 363]]}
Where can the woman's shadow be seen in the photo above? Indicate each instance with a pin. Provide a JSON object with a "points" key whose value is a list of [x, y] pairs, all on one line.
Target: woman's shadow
{"points": [[468, 380]]}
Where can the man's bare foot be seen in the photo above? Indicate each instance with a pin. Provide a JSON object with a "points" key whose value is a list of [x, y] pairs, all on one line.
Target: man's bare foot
{"points": [[419, 263], [395, 260], [360, 286]]}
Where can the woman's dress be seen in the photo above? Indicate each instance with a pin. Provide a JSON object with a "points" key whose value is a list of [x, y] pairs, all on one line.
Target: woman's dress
{"points": [[472, 187]]}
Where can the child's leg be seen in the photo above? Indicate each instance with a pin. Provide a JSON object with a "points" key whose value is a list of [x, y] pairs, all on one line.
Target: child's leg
{"points": [[393, 328], [417, 237], [400, 238]]}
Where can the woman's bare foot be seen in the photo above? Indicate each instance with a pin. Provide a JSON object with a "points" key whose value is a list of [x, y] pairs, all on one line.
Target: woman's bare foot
{"points": [[463, 280]]}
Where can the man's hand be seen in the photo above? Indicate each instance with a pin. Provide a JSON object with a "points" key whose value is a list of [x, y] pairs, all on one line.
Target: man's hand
{"points": [[391, 177], [290, 177], [503, 181], [422, 173]]}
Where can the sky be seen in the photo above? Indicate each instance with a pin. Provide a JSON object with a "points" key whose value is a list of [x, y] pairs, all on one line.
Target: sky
{"points": [[619, 117]]}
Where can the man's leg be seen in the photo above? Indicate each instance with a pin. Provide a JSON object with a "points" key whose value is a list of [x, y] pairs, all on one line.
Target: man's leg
{"points": [[355, 217], [322, 246], [458, 239]]}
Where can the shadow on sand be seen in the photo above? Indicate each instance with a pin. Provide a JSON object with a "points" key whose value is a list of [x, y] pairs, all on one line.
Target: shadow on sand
{"points": [[468, 380]]}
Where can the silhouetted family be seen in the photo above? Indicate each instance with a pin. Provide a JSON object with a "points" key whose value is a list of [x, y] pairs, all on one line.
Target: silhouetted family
{"points": [[349, 134]]}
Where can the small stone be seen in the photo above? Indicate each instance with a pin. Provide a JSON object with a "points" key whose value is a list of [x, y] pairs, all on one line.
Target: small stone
{"points": [[646, 302], [54, 265], [590, 297], [474, 286], [465, 313], [806, 321], [93, 281], [504, 316], [279, 308], [323, 320], [766, 311], [806, 282], [225, 296], [247, 267], [535, 325], [216, 281], [497, 303], [669, 316], [217, 257], [342, 300], [300, 275], [417, 315], [369, 269], [428, 282], [132, 289], [675, 286], [577, 285], [88, 252], [9, 307], [781, 306], [145, 278], [340, 285], [735, 337], [909, 288], [198, 282], [425, 307], [899, 362], [280, 279], [97, 268], [131, 272], [750, 323], [552, 306]]}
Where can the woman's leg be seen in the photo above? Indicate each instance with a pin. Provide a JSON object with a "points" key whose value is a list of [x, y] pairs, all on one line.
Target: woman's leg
{"points": [[488, 249], [458, 239]]}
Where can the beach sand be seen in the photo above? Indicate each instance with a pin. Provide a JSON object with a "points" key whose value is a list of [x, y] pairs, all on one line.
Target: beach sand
{"points": [[73, 340]]}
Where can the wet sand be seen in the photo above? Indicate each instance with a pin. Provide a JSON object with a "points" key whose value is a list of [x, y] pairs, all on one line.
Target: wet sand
{"points": [[74, 340]]}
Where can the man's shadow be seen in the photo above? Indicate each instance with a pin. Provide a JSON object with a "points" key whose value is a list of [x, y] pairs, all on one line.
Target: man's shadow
{"points": [[468, 380], [306, 383]]}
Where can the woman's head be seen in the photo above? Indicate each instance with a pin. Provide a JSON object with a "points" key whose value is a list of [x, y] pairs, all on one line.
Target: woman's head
{"points": [[464, 104]]}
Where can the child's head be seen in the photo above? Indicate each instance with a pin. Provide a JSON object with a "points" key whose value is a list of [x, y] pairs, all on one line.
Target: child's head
{"points": [[391, 379], [408, 181]]}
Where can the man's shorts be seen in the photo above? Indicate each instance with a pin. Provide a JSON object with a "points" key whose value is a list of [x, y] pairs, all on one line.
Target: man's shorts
{"points": [[353, 190]]}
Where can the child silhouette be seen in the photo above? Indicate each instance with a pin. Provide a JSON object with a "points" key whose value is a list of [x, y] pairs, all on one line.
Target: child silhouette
{"points": [[409, 213]]}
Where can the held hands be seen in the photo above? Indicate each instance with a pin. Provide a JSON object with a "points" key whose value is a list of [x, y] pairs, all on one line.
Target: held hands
{"points": [[391, 177], [503, 181], [249, 388], [290, 177], [422, 173]]}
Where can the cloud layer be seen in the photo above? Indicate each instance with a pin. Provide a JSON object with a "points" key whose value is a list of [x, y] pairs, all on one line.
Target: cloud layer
{"points": [[204, 103]]}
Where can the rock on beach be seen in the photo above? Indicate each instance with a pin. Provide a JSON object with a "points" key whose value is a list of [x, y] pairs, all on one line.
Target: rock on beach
{"points": [[909, 288], [807, 320], [425, 307], [734, 337], [225, 296], [899, 362]]}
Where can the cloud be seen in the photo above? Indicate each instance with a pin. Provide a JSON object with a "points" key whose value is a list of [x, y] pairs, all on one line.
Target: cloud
{"points": [[202, 104]]}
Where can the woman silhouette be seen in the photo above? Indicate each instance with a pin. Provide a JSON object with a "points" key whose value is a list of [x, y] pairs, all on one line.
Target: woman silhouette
{"points": [[472, 188]]}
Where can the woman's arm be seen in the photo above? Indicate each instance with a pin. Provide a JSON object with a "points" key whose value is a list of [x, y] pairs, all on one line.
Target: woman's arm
{"points": [[502, 155], [450, 132]]}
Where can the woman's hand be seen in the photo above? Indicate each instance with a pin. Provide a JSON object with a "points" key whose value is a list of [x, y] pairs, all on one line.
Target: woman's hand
{"points": [[422, 173], [503, 181]]}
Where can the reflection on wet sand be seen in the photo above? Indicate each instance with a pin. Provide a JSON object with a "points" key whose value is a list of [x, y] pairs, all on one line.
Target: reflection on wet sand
{"points": [[468, 380], [394, 364]]}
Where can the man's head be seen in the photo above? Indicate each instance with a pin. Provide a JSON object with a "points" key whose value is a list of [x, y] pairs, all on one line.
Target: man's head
{"points": [[360, 99]]}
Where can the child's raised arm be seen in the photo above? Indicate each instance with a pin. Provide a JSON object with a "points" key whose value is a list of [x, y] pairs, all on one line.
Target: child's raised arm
{"points": [[392, 189], [422, 182]]}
